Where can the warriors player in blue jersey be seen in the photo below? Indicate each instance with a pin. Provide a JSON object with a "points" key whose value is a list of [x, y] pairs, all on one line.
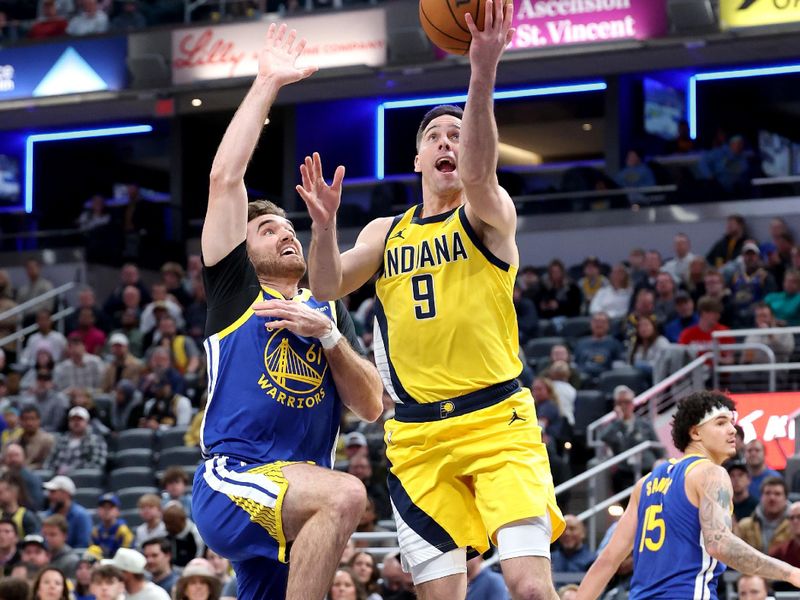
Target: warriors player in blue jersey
{"points": [[280, 364], [678, 521]]}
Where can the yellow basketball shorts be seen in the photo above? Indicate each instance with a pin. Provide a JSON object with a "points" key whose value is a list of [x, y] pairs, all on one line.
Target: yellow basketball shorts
{"points": [[455, 481]]}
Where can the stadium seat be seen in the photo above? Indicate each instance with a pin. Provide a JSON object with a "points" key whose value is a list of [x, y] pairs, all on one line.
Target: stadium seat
{"points": [[183, 456], [92, 478], [590, 405], [87, 496], [131, 517], [103, 405], [131, 477], [135, 438], [133, 457], [623, 376], [541, 347], [576, 327], [44, 474], [546, 328], [128, 497], [172, 437]]}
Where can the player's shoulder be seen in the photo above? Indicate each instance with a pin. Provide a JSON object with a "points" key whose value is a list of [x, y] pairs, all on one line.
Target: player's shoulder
{"points": [[375, 231]]}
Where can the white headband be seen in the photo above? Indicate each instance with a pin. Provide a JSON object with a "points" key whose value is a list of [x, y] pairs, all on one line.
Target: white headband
{"points": [[718, 411]]}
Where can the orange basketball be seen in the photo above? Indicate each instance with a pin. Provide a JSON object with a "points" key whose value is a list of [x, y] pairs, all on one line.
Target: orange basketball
{"points": [[443, 22]]}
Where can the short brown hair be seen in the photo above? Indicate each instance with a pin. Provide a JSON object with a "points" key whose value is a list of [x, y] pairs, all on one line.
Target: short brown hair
{"points": [[709, 304], [774, 482], [149, 500], [435, 113], [106, 573], [58, 521], [174, 474], [257, 208]]}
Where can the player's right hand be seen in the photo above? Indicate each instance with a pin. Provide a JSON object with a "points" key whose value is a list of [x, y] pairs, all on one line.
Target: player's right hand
{"points": [[794, 578], [321, 199], [277, 58]]}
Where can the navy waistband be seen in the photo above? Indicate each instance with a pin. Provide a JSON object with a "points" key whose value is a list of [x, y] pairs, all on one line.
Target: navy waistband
{"points": [[455, 407]]}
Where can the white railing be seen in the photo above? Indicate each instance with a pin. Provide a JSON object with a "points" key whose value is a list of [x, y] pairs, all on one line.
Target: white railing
{"points": [[18, 310], [771, 367]]}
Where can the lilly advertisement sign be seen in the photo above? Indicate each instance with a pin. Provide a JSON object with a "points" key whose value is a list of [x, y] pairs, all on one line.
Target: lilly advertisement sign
{"points": [[749, 13], [544, 23]]}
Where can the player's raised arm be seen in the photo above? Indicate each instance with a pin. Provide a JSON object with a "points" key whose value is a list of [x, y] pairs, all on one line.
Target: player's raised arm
{"points": [[225, 226], [331, 275], [477, 161], [711, 485], [618, 548]]}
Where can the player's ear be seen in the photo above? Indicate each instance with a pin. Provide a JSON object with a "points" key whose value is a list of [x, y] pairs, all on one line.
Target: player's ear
{"points": [[417, 168], [694, 433]]}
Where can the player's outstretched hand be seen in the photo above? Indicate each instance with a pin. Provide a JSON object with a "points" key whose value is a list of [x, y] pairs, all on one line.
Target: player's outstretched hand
{"points": [[294, 316], [794, 578], [321, 199], [277, 58], [488, 45]]}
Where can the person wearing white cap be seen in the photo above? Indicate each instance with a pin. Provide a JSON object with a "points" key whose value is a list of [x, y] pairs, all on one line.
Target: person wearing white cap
{"points": [[131, 563], [750, 282], [678, 520], [123, 365], [60, 491], [78, 448]]}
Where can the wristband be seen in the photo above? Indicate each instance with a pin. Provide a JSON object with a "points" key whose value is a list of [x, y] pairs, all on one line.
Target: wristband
{"points": [[330, 339]]}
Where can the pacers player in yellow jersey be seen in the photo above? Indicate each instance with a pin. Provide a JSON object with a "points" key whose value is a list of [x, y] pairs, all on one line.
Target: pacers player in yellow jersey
{"points": [[678, 521], [467, 462]]}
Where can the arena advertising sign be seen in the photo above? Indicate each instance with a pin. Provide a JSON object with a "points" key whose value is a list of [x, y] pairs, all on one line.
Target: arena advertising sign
{"points": [[543, 23], [748, 13], [71, 67], [334, 40], [766, 417]]}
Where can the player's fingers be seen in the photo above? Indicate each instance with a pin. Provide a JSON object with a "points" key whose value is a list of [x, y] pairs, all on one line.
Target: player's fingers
{"points": [[309, 166], [299, 47], [338, 176], [318, 167], [473, 29], [305, 177], [287, 44], [508, 14], [510, 35], [272, 325], [307, 198], [279, 36], [488, 15], [270, 33]]}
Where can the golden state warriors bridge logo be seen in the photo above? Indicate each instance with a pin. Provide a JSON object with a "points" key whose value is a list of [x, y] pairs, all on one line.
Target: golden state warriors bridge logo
{"points": [[293, 371]]}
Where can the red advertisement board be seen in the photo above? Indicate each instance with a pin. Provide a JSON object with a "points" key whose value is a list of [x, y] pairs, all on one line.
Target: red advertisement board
{"points": [[767, 417]]}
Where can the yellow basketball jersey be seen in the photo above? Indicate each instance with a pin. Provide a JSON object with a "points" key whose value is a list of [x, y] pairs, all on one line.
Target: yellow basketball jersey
{"points": [[445, 323]]}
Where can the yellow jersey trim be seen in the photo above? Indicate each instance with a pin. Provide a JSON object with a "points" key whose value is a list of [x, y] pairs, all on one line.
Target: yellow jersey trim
{"points": [[241, 320]]}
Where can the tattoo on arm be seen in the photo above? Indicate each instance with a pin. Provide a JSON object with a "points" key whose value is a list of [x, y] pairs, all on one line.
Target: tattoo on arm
{"points": [[715, 521]]}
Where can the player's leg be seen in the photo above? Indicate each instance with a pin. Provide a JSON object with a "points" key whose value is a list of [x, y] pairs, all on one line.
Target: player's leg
{"points": [[524, 550], [443, 577], [320, 511]]}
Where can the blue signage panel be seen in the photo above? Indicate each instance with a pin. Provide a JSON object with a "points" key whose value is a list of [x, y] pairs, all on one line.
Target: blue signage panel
{"points": [[68, 67]]}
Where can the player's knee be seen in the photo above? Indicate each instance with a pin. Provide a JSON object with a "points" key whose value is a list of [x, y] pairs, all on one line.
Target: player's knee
{"points": [[531, 589], [350, 500]]}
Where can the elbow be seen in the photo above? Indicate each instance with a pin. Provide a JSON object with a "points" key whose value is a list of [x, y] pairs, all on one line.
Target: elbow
{"points": [[222, 178], [323, 292]]}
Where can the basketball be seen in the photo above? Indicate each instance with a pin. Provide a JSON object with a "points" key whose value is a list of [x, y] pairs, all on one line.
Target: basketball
{"points": [[443, 22]]}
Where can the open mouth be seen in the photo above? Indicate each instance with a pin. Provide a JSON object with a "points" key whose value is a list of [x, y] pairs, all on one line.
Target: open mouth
{"points": [[445, 165], [289, 252]]}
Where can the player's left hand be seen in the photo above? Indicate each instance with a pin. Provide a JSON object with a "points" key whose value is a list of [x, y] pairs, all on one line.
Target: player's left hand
{"points": [[488, 45], [321, 199], [294, 316]]}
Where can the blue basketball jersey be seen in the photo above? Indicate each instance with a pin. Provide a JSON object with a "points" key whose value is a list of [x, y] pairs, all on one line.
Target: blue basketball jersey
{"points": [[271, 395], [670, 561]]}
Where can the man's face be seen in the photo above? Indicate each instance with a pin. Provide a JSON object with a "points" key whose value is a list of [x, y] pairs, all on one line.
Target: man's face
{"points": [[684, 308], [78, 426], [574, 534], [681, 245], [274, 249], [14, 456], [131, 296], [664, 284], [754, 454], [44, 321], [119, 351], [35, 554], [763, 316], [733, 228], [773, 499], [157, 560], [58, 497], [130, 275], [108, 513], [395, 580], [740, 480], [714, 286], [645, 303], [719, 436], [559, 352], [599, 325], [76, 349], [8, 536], [794, 520], [652, 262], [437, 156], [167, 327], [360, 467], [624, 402], [54, 537], [176, 488], [85, 318], [751, 259], [148, 512], [32, 269], [30, 422], [752, 588], [710, 318]]}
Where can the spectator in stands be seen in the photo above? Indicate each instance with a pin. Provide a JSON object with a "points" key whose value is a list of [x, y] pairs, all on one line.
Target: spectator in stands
{"points": [[175, 483], [595, 354], [123, 364], [782, 344], [106, 583], [548, 411], [527, 317], [665, 297], [165, 408], [91, 20], [88, 299], [79, 448], [158, 554], [483, 583], [529, 281], [14, 464], [558, 296], [730, 245], [559, 352], [182, 534], [152, 526], [625, 432], [743, 503], [130, 17], [646, 348], [695, 282], [33, 551], [397, 585], [786, 304], [732, 168], [80, 369], [129, 276], [50, 584], [172, 275], [365, 571], [779, 258], [361, 468], [572, 554], [183, 351], [699, 336], [43, 361], [755, 459], [714, 286], [51, 404], [83, 578], [33, 288], [62, 555], [25, 519], [112, 532], [13, 430], [8, 326], [130, 301], [162, 304], [635, 173], [53, 340], [644, 307], [559, 373], [131, 563], [636, 265], [93, 337], [368, 523], [198, 582], [613, 299], [752, 587], [789, 551], [768, 526], [344, 586], [685, 317], [591, 282], [128, 407], [36, 442], [60, 493], [652, 267], [750, 283], [678, 265], [9, 552], [129, 327]]}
